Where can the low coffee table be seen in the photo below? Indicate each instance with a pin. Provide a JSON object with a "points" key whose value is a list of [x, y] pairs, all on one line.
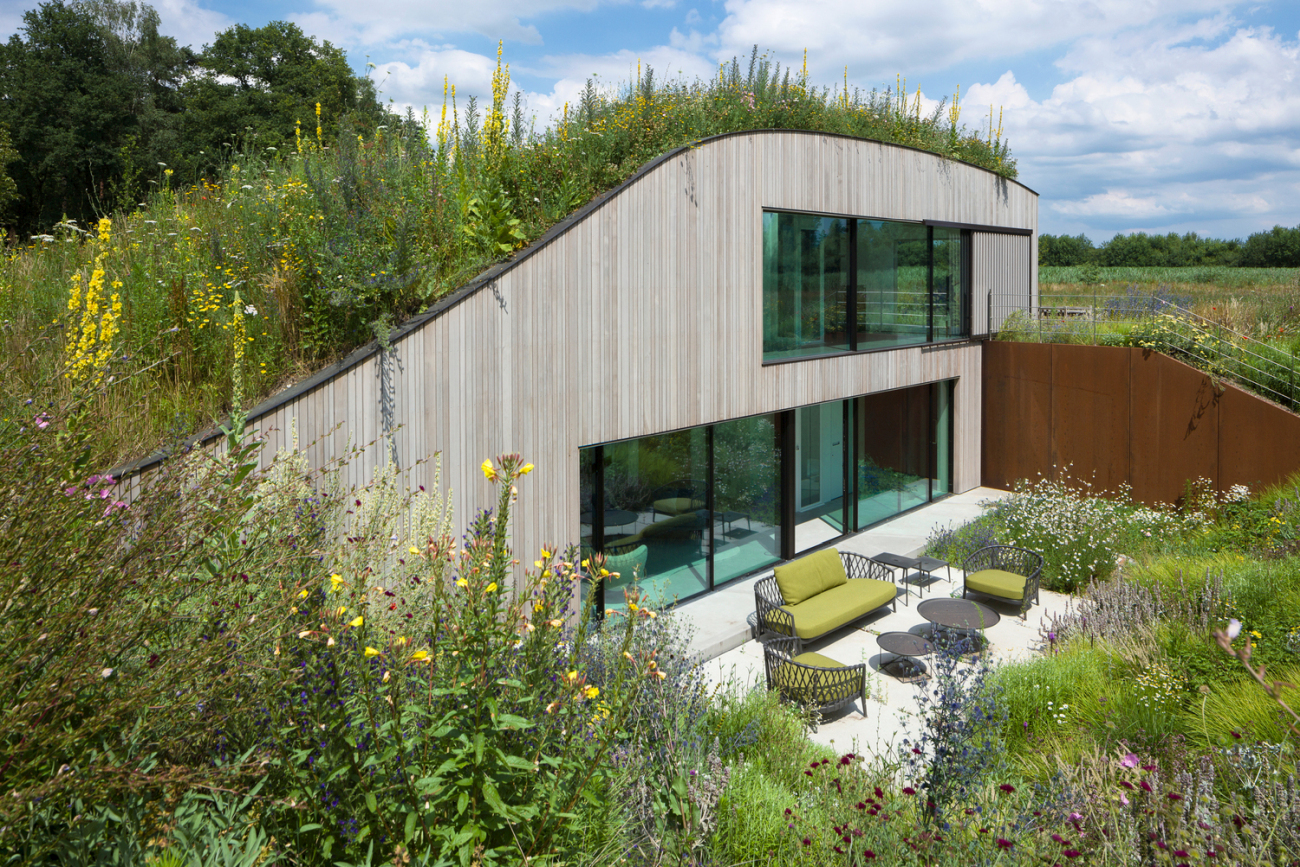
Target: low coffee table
{"points": [[898, 561], [964, 616], [906, 647]]}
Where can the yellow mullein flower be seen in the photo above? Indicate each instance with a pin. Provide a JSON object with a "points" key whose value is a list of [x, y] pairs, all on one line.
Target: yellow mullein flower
{"points": [[591, 692], [371, 653]]}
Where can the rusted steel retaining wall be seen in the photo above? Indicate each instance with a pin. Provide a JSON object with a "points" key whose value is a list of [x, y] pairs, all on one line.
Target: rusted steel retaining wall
{"points": [[1114, 415]]}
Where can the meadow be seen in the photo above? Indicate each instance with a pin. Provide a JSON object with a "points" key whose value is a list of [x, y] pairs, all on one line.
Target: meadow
{"points": [[307, 252]]}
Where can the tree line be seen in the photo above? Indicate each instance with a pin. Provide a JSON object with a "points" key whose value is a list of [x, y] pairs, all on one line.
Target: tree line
{"points": [[96, 106], [1277, 248]]}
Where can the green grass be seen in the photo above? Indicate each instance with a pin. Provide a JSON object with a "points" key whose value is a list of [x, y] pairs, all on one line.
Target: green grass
{"points": [[1220, 276]]}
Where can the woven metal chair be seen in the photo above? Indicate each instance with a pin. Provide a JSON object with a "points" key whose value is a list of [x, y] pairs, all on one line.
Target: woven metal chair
{"points": [[768, 600], [1004, 572], [817, 683]]}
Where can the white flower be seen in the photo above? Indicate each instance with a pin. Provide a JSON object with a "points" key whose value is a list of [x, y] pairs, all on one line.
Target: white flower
{"points": [[250, 310], [1234, 628], [106, 673]]}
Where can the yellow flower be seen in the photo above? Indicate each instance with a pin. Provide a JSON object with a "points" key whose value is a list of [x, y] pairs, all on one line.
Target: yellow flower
{"points": [[631, 606], [591, 692], [525, 470], [386, 677], [545, 553], [342, 610], [490, 588], [304, 633], [461, 582], [357, 622], [573, 675], [414, 550], [419, 656], [335, 581], [293, 609], [371, 653], [488, 472], [302, 595], [557, 623]]}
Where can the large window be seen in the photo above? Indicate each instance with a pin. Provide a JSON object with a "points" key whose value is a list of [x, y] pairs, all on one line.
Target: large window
{"points": [[684, 512], [834, 284]]}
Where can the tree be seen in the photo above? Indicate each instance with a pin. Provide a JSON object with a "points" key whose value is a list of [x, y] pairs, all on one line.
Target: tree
{"points": [[254, 85], [1279, 248], [1065, 250], [89, 94]]}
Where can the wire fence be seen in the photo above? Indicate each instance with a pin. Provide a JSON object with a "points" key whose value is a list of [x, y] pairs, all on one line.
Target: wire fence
{"points": [[1161, 321]]}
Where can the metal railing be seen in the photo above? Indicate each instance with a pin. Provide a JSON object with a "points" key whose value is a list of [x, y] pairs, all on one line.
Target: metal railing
{"points": [[1162, 324]]}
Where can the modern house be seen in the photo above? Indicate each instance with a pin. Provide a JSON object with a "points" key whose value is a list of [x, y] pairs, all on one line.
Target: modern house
{"points": [[755, 345]]}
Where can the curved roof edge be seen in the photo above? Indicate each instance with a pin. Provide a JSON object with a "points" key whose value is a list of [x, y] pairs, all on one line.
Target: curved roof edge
{"points": [[486, 277]]}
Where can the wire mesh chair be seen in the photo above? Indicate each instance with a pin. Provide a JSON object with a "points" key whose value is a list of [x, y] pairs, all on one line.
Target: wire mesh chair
{"points": [[772, 618], [817, 683], [1011, 561]]}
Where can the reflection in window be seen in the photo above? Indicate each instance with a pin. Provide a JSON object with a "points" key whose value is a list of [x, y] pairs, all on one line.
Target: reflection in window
{"points": [[655, 516], [805, 285], [893, 277], [949, 294], [746, 496]]}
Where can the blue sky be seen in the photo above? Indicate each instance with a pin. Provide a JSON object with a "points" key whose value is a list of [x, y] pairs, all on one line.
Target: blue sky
{"points": [[1125, 115]]}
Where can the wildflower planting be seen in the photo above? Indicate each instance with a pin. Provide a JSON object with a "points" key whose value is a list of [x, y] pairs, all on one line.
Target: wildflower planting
{"points": [[330, 243]]}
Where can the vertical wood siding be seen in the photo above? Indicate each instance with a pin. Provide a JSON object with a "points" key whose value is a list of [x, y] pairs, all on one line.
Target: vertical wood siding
{"points": [[646, 317]]}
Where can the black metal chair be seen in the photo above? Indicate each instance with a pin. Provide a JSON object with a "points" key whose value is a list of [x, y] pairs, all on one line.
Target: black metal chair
{"points": [[817, 683], [772, 618], [1004, 572]]}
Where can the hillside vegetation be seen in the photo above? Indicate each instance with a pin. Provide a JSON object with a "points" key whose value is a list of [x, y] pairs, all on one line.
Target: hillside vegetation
{"points": [[208, 296]]}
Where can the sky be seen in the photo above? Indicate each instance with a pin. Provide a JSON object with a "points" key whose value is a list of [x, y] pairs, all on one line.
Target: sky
{"points": [[1124, 115]]}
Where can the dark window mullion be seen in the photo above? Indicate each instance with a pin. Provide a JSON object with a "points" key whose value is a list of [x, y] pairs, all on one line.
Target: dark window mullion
{"points": [[708, 501], [852, 312], [598, 523], [929, 282]]}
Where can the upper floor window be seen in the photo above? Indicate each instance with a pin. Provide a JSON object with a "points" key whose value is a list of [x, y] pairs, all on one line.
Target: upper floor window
{"points": [[836, 284]]}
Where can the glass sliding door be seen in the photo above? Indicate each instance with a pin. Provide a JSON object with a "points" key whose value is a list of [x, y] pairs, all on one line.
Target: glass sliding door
{"points": [[893, 443], [942, 482], [893, 291], [746, 496], [819, 474], [805, 285]]}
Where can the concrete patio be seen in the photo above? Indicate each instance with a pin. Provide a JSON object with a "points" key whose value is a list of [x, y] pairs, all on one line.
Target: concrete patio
{"points": [[723, 628]]}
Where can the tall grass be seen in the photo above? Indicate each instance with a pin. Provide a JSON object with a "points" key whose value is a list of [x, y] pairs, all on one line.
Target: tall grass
{"points": [[328, 246]]}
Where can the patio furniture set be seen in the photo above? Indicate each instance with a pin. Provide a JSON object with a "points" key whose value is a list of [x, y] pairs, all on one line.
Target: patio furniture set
{"points": [[829, 589]]}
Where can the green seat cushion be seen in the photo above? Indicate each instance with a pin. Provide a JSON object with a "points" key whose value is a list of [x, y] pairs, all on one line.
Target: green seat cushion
{"points": [[810, 576], [995, 582], [678, 505], [814, 688], [840, 605], [627, 564]]}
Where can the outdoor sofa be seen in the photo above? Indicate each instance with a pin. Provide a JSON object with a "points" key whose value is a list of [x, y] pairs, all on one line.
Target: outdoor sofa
{"points": [[821, 592]]}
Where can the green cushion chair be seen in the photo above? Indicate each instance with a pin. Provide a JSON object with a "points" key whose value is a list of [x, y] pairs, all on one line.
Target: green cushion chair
{"points": [[816, 682], [820, 593], [1004, 572]]}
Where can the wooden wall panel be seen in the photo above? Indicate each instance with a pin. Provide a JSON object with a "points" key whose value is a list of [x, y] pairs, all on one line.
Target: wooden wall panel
{"points": [[646, 316]]}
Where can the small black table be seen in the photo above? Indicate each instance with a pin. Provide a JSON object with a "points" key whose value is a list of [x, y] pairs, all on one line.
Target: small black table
{"points": [[927, 566], [898, 561], [960, 615], [905, 646], [613, 518]]}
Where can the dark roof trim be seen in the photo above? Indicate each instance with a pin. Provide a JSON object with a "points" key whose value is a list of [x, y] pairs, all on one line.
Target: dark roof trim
{"points": [[489, 276], [978, 227]]}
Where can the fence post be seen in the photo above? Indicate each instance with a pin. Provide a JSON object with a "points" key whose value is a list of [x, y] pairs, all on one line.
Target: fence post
{"points": [[1291, 384]]}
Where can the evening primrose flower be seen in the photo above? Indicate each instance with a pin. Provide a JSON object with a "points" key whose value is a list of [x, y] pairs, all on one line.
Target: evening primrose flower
{"points": [[591, 692], [371, 653], [357, 622], [335, 581], [489, 472], [490, 588], [414, 550], [461, 582], [525, 469], [419, 656]]}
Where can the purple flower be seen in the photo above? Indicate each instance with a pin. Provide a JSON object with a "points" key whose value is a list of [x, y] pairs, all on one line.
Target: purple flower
{"points": [[1129, 761]]}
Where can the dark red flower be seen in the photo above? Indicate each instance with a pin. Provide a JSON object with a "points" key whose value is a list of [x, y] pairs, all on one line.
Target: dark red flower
{"points": [[1007, 787], [1004, 843], [1071, 853], [908, 790]]}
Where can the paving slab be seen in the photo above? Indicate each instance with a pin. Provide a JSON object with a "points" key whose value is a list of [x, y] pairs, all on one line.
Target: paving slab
{"points": [[724, 619]]}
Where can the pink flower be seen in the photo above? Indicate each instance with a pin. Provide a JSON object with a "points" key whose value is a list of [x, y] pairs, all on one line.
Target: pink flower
{"points": [[43, 420], [1129, 761], [1123, 799]]}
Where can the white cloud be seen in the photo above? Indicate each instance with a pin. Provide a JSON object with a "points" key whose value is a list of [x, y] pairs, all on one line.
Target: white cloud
{"points": [[190, 23], [1178, 123], [879, 38], [377, 23], [421, 85]]}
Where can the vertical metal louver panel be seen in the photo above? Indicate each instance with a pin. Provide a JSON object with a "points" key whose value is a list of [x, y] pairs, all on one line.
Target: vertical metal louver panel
{"points": [[1002, 280]]}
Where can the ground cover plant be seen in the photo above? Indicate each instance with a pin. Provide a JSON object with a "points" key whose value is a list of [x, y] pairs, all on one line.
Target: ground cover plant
{"points": [[251, 668], [326, 240]]}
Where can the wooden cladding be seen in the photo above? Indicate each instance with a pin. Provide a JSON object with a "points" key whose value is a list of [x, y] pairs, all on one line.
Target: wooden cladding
{"points": [[1004, 279], [645, 316]]}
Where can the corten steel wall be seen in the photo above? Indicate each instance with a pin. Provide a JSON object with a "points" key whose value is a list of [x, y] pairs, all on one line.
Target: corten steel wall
{"points": [[643, 314], [1114, 416]]}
